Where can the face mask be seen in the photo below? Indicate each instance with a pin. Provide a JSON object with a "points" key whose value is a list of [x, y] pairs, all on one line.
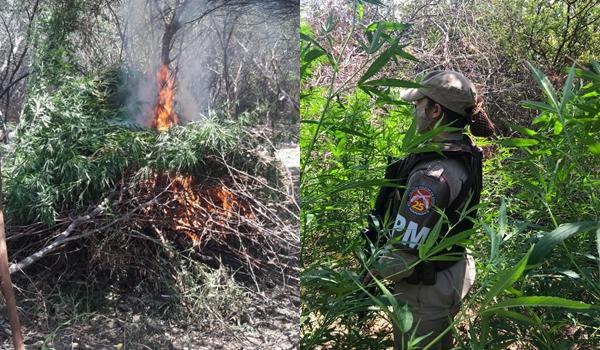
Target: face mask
{"points": [[420, 117]]}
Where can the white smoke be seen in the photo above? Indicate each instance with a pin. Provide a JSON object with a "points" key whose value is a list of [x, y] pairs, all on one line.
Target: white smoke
{"points": [[143, 29], [197, 52]]}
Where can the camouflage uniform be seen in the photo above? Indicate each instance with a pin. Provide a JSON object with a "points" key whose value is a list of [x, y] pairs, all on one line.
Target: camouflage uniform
{"points": [[448, 182], [432, 183]]}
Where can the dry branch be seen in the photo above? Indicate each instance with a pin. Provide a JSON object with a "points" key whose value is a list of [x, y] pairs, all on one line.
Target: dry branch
{"points": [[65, 236], [59, 241]]}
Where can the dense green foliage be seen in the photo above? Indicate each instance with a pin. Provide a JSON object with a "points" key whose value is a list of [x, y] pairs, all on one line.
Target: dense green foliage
{"points": [[547, 179], [549, 32], [536, 240], [70, 150], [169, 232]]}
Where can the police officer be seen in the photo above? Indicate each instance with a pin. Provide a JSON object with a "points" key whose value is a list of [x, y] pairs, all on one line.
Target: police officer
{"points": [[451, 182]]}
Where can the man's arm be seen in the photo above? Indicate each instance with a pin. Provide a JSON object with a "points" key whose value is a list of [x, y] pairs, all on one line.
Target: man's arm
{"points": [[426, 190]]}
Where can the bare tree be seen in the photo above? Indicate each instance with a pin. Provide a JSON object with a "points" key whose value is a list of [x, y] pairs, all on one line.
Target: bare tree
{"points": [[205, 45], [174, 18], [16, 24]]}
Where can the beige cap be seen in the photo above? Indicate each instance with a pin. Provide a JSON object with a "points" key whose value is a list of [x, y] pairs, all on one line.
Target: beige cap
{"points": [[448, 88]]}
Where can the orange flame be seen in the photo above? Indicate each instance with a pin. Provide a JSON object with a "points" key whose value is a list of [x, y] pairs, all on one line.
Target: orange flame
{"points": [[194, 211], [228, 200], [164, 115]]}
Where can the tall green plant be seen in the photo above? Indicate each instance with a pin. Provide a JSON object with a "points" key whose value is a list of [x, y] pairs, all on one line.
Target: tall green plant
{"points": [[548, 176], [69, 152], [350, 124], [554, 187]]}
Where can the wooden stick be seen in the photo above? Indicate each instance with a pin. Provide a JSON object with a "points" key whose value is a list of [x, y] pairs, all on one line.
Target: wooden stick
{"points": [[7, 286], [577, 63], [60, 240], [65, 236]]}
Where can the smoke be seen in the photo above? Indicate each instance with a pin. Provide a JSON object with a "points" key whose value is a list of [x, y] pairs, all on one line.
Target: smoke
{"points": [[144, 27], [198, 50]]}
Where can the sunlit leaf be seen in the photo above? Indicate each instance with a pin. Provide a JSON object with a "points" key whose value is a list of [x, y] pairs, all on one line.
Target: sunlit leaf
{"points": [[432, 238], [567, 92], [539, 301], [336, 128], [400, 315], [523, 130], [519, 142], [361, 11], [313, 55], [380, 62], [545, 85], [308, 38], [543, 247], [328, 27], [558, 127], [594, 148]]}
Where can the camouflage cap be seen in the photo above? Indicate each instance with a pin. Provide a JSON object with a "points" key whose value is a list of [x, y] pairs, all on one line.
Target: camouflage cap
{"points": [[448, 88]]}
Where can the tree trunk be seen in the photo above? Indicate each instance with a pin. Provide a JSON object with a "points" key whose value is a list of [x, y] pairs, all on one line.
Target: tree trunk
{"points": [[167, 40]]}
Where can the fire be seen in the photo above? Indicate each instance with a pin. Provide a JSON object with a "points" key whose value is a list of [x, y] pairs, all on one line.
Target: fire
{"points": [[193, 213], [164, 114], [228, 201]]}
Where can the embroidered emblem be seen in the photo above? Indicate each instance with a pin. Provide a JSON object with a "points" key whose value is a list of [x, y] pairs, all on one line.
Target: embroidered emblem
{"points": [[420, 200]]}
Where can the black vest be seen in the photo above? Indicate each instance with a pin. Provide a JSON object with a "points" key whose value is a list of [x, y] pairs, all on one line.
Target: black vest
{"points": [[398, 171]]}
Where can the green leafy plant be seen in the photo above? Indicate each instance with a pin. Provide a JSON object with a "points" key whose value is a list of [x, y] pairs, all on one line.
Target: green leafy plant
{"points": [[537, 268], [68, 153], [554, 174]]}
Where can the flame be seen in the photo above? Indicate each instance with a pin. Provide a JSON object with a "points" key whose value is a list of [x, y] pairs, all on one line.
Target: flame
{"points": [[195, 212], [185, 216], [228, 200], [164, 115]]}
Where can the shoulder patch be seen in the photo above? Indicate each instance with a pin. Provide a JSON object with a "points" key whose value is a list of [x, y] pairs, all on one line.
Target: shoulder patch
{"points": [[420, 200]]}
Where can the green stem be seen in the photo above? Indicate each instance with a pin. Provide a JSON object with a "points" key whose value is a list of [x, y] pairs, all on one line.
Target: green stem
{"points": [[549, 211], [579, 269], [331, 90]]}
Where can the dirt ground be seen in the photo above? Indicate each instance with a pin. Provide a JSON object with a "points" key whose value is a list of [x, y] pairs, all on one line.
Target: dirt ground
{"points": [[270, 323], [270, 319]]}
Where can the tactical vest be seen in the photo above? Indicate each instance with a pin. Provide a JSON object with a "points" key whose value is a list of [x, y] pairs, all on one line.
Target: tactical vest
{"points": [[397, 172]]}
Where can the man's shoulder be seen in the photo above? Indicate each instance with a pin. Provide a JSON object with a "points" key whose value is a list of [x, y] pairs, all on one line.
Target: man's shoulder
{"points": [[443, 168], [450, 171]]}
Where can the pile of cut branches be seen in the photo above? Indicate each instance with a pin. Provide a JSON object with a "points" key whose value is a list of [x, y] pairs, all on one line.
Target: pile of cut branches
{"points": [[88, 195]]}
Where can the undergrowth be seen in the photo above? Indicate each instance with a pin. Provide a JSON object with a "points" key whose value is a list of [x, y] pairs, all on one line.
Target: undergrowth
{"points": [[536, 235], [72, 152]]}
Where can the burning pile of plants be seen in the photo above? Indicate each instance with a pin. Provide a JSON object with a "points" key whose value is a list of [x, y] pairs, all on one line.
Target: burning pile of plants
{"points": [[87, 195]]}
